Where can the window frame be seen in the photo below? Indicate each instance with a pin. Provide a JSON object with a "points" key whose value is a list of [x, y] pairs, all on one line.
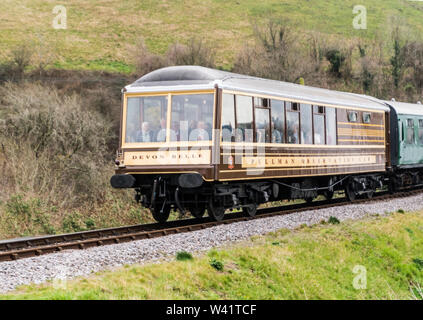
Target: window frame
{"points": [[321, 113], [221, 116], [349, 112], [268, 121], [412, 127], [364, 117], [283, 138], [336, 126], [420, 129], [169, 94], [312, 122], [298, 112], [253, 117]]}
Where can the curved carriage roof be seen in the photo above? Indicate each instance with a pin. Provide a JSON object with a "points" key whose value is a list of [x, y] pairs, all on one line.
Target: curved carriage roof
{"points": [[406, 108], [196, 77]]}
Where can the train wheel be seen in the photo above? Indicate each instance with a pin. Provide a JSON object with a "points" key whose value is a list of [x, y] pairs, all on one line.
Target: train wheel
{"points": [[250, 210], [216, 212], [198, 212], [349, 192], [309, 200], [393, 185], [328, 194], [370, 194], [160, 213]]}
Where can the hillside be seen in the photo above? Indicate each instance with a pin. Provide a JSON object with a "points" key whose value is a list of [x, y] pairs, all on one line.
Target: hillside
{"points": [[103, 35]]}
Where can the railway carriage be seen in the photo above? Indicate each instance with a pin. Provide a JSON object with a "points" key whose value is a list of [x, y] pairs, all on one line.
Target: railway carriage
{"points": [[406, 144], [197, 139]]}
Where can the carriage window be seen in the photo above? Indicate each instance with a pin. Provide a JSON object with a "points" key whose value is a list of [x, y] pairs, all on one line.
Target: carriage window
{"points": [[146, 119], [352, 116], [262, 125], [331, 125], [319, 128], [261, 102], [228, 117], [401, 130], [421, 131], [278, 121], [366, 117], [244, 118], [318, 109], [191, 117], [306, 124], [410, 131], [293, 106], [292, 124]]}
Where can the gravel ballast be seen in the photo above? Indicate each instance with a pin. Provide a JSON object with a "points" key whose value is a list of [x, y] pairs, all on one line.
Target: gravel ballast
{"points": [[73, 263]]}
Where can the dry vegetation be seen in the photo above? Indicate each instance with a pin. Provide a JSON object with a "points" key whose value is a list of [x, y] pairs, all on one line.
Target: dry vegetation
{"points": [[383, 67], [56, 161]]}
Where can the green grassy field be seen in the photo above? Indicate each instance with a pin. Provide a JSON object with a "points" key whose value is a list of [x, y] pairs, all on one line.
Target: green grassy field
{"points": [[103, 35], [317, 262]]}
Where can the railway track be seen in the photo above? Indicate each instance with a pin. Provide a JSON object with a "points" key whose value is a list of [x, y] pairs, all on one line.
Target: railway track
{"points": [[35, 246]]}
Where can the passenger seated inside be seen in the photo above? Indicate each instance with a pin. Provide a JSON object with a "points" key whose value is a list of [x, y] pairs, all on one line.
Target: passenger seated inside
{"points": [[227, 132], [192, 126], [174, 131], [161, 134], [145, 134], [292, 134], [200, 133], [276, 134]]}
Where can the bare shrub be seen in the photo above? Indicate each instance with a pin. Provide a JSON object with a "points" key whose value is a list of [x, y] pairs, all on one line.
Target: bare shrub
{"points": [[22, 56], [43, 56], [196, 52], [413, 60], [14, 68], [52, 145], [276, 53], [146, 61]]}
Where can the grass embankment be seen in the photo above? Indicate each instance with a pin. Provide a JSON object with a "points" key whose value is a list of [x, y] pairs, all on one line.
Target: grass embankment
{"points": [[99, 36], [308, 263]]}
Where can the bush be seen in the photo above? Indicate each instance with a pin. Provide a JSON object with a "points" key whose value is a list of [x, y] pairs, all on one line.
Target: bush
{"points": [[196, 52], [216, 264], [333, 220], [336, 59], [28, 217], [418, 262], [183, 256], [73, 222], [52, 145], [145, 61]]}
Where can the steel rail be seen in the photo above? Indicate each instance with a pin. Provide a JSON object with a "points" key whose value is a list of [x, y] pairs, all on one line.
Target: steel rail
{"points": [[19, 248]]}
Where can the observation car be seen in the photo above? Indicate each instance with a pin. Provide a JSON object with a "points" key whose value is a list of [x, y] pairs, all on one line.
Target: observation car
{"points": [[197, 139]]}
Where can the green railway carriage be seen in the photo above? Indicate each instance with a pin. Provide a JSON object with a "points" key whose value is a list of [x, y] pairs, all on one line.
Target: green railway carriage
{"points": [[406, 135], [405, 144]]}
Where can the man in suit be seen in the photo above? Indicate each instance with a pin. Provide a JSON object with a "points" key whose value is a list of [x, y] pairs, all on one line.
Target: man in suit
{"points": [[145, 134]]}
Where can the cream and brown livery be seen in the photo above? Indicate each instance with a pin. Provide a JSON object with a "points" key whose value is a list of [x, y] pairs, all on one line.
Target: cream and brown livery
{"points": [[194, 138]]}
